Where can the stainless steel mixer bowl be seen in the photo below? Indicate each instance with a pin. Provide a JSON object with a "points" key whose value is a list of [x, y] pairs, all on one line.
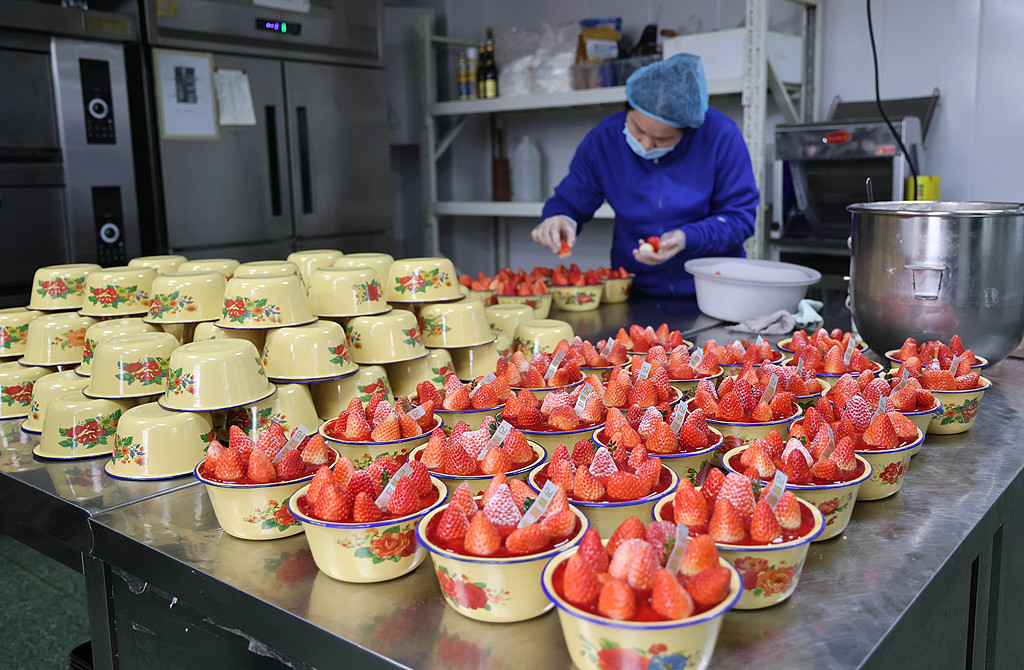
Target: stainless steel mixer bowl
{"points": [[930, 270]]}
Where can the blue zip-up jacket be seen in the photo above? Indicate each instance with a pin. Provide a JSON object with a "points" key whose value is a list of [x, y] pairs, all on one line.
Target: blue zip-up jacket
{"points": [[705, 186]]}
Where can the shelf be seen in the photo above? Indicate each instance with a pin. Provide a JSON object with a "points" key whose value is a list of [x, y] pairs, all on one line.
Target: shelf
{"points": [[584, 98], [510, 209]]}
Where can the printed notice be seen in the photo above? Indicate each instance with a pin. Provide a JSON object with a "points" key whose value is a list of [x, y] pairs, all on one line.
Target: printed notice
{"points": [[234, 98], [185, 91]]}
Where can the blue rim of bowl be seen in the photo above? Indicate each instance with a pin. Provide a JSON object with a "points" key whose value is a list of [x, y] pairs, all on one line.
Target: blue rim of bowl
{"points": [[323, 433], [107, 471], [311, 380], [820, 393], [470, 478], [57, 459], [713, 448], [442, 499], [808, 487], [739, 366], [775, 422], [861, 344], [507, 560], [921, 412], [548, 389], [896, 450], [576, 431], [249, 487], [987, 385], [891, 358], [716, 611], [819, 520], [649, 498], [160, 399], [30, 431]]}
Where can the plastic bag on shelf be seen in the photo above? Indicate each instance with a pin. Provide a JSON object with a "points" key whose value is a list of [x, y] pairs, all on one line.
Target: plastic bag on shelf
{"points": [[554, 59], [515, 54]]}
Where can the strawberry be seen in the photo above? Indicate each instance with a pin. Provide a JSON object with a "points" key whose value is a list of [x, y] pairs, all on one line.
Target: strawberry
{"points": [[381, 411], [501, 509], [433, 454], [764, 465], [239, 441], [527, 540], [593, 551], [903, 427], [797, 469], [763, 525], [787, 511], [291, 466], [586, 487], [726, 525], [229, 466], [938, 380], [583, 453], [212, 452], [463, 499], [260, 469], [709, 587], [967, 382], [669, 598], [631, 528], [457, 399], [881, 434], [563, 418], [843, 455], [690, 508], [738, 491], [642, 565], [388, 430], [559, 525], [712, 485], [826, 471], [858, 412], [364, 509], [624, 485], [356, 428], [483, 397], [407, 426], [580, 582], [492, 487], [331, 504], [833, 363], [650, 470], [361, 482], [315, 450], [426, 391], [662, 440], [405, 500], [701, 554], [482, 539], [729, 408], [662, 536], [457, 461], [603, 464], [563, 473], [616, 600], [643, 394]]}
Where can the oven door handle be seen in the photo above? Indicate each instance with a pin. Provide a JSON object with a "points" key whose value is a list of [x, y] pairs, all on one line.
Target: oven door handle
{"points": [[305, 181], [270, 113]]}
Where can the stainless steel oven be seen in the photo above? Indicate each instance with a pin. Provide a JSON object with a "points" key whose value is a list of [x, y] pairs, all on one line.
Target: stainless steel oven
{"points": [[67, 177]]}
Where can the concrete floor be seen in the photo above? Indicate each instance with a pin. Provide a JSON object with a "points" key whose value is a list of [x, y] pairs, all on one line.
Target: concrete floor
{"points": [[43, 613]]}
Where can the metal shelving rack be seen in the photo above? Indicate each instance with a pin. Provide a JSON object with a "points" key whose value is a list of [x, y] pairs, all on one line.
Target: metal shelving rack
{"points": [[797, 102]]}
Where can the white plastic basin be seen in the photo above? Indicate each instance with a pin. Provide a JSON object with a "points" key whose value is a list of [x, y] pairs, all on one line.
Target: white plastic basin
{"points": [[736, 289]]}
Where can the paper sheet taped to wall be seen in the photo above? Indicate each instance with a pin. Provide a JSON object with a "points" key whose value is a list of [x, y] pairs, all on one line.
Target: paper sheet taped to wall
{"points": [[234, 98]]}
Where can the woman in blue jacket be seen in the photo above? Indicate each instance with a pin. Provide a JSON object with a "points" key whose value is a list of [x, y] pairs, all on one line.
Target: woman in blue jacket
{"points": [[669, 167]]}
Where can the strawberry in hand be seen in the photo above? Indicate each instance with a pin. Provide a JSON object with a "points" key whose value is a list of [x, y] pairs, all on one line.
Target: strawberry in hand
{"points": [[565, 250]]}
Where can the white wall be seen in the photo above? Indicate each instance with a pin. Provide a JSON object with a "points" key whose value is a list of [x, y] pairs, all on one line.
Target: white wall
{"points": [[969, 49]]}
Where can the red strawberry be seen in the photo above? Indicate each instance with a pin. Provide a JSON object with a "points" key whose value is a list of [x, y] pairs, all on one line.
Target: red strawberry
{"points": [[690, 508], [843, 455], [560, 524], [603, 464], [826, 471], [322, 477], [496, 461], [364, 509], [433, 454], [833, 364], [710, 587], [580, 582], [239, 441], [527, 540], [787, 511], [583, 453], [669, 598], [212, 452], [389, 430], [356, 428], [493, 487], [229, 466], [331, 504], [881, 434], [968, 381], [643, 394], [738, 491], [314, 451], [629, 529], [726, 525], [457, 461], [662, 536], [662, 440], [729, 408], [624, 485], [712, 485], [701, 554], [516, 447], [291, 466], [453, 524], [586, 487], [650, 470], [261, 470], [616, 600], [593, 551], [563, 473], [463, 499], [501, 509], [763, 525], [902, 426], [563, 418], [405, 500], [797, 469], [482, 539], [642, 566]]}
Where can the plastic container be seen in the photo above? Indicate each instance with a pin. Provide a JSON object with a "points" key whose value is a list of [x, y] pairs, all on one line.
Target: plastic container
{"points": [[735, 289], [526, 171]]}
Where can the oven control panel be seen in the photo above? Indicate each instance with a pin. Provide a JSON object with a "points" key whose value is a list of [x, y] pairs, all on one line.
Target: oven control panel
{"points": [[99, 107], [106, 207]]}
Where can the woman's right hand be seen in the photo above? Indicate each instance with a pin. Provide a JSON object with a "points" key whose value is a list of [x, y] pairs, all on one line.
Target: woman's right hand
{"points": [[553, 230]]}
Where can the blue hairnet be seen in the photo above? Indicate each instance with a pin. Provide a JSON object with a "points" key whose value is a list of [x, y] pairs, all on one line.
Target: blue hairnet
{"points": [[672, 91]]}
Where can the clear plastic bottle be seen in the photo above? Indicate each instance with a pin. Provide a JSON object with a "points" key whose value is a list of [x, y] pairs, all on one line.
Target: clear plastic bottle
{"points": [[470, 74], [526, 177]]}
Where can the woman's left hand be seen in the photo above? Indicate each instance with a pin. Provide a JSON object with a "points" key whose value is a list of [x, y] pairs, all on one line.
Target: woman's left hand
{"points": [[672, 243]]}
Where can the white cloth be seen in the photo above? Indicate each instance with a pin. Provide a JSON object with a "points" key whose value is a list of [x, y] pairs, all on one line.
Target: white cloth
{"points": [[782, 322]]}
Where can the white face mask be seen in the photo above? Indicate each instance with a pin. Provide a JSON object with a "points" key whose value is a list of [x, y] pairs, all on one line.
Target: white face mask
{"points": [[638, 149]]}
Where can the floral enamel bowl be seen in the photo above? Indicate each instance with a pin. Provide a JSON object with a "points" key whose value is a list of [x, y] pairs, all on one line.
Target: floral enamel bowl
{"points": [[479, 483], [16, 384], [684, 464], [578, 298], [365, 552], [888, 469], [959, 409], [834, 501], [495, 590], [14, 330], [256, 511], [56, 287], [364, 453], [599, 643], [769, 573], [155, 443]]}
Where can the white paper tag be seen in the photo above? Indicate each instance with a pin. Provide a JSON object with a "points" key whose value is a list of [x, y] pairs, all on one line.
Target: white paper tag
{"points": [[488, 378], [416, 412], [540, 504], [678, 551], [504, 428], [607, 349], [581, 401], [696, 358], [800, 367], [777, 489], [830, 447], [679, 415], [903, 382], [298, 435], [553, 368], [848, 354], [759, 341], [769, 390], [954, 365], [645, 370], [879, 408], [795, 445], [385, 496]]}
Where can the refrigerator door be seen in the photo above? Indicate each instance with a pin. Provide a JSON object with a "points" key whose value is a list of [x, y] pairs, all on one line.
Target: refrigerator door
{"points": [[32, 219], [338, 133], [232, 189]]}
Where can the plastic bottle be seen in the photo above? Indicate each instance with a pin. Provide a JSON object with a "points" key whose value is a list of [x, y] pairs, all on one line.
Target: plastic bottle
{"points": [[526, 180], [470, 73]]}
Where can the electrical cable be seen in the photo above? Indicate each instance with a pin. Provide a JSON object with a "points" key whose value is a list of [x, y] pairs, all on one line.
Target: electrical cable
{"points": [[885, 117]]}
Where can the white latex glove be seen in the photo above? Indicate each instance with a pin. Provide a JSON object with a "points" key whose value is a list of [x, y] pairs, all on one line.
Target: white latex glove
{"points": [[672, 243], [553, 230]]}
